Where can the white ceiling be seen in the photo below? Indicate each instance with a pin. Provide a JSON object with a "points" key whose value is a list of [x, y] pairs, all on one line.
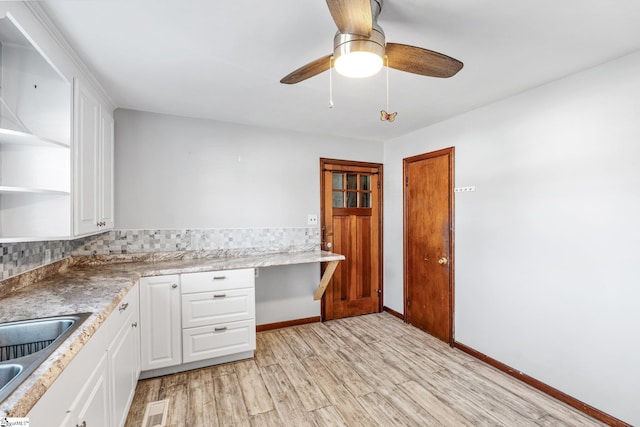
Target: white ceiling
{"points": [[223, 60]]}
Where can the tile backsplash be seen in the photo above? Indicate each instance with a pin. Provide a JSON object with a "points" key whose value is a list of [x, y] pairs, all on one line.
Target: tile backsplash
{"points": [[20, 257]]}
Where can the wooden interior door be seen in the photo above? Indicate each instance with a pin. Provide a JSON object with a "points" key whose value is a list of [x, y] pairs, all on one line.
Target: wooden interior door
{"points": [[351, 209], [428, 242]]}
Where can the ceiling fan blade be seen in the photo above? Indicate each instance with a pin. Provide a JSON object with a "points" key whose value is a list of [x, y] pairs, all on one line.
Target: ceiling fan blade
{"points": [[351, 16], [307, 71], [421, 61]]}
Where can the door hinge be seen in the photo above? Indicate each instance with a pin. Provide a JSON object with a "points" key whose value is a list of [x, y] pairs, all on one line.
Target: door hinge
{"points": [[406, 180], [378, 185], [408, 303]]}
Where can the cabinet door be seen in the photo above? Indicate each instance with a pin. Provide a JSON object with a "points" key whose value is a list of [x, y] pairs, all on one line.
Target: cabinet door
{"points": [[92, 406], [123, 367], [160, 329], [86, 139], [105, 161]]}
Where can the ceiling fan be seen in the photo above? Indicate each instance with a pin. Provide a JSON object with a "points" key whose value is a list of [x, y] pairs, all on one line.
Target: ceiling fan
{"points": [[359, 47]]}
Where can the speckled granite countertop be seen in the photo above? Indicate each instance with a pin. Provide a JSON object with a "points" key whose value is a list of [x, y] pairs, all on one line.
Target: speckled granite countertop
{"points": [[97, 284]]}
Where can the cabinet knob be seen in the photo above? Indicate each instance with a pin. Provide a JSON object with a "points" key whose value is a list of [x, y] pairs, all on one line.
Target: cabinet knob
{"points": [[134, 325], [124, 306], [174, 286], [84, 424]]}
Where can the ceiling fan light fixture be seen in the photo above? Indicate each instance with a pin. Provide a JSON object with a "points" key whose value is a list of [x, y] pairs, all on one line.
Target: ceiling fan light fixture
{"points": [[359, 56], [358, 64]]}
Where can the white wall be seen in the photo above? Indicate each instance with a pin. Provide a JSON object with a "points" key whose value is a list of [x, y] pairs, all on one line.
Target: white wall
{"points": [[547, 249], [176, 172]]}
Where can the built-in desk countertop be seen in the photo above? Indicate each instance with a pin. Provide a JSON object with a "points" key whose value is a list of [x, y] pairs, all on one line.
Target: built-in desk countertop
{"points": [[97, 284]]}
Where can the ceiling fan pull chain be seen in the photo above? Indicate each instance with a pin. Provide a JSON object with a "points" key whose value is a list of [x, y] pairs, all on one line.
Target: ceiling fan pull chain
{"points": [[386, 60], [386, 116], [331, 82]]}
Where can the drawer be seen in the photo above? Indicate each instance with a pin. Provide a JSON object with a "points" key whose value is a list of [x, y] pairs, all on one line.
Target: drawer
{"points": [[208, 308], [121, 312], [217, 280], [206, 342]]}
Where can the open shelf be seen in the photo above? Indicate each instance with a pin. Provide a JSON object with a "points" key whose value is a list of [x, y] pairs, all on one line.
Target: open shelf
{"points": [[35, 141], [8, 136], [26, 190]]}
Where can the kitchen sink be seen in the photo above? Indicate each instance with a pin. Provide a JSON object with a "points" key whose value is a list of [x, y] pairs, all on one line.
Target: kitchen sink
{"points": [[25, 344], [8, 372]]}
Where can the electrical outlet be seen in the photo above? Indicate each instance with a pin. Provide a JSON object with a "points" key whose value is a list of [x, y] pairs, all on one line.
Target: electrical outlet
{"points": [[312, 219]]}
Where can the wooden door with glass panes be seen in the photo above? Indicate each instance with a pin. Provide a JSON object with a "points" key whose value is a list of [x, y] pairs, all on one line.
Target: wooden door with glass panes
{"points": [[351, 225]]}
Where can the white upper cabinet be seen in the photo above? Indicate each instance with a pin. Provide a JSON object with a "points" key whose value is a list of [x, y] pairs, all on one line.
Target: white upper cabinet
{"points": [[93, 163], [86, 153], [106, 164], [56, 135]]}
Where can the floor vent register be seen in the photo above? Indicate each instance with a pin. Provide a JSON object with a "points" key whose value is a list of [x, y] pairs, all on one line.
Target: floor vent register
{"points": [[156, 414]]}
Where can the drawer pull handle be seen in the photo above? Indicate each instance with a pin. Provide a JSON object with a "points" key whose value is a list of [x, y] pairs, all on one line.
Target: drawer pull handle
{"points": [[219, 277], [219, 295], [220, 329], [174, 286], [124, 306]]}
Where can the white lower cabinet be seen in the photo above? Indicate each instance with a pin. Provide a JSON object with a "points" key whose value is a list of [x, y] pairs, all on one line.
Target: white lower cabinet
{"points": [[92, 405], [124, 361], [207, 318], [160, 330], [97, 387]]}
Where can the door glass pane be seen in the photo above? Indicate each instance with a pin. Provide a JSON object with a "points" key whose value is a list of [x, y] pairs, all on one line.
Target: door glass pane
{"points": [[365, 182], [365, 200], [352, 181], [338, 199], [337, 181], [352, 199]]}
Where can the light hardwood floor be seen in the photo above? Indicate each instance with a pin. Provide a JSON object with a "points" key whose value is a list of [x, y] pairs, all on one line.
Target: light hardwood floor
{"points": [[371, 370]]}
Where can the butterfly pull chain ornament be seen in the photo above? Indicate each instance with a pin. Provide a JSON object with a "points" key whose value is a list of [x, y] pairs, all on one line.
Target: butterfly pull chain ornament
{"points": [[384, 115], [387, 117]]}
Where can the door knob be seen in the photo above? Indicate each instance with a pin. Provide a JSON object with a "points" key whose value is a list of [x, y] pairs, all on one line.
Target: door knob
{"points": [[442, 261]]}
